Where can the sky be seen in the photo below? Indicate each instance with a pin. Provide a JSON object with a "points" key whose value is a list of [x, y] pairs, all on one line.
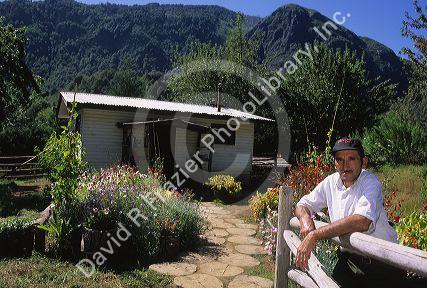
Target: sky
{"points": [[380, 20]]}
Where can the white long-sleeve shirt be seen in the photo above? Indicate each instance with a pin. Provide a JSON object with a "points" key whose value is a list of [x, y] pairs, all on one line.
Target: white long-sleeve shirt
{"points": [[362, 198]]}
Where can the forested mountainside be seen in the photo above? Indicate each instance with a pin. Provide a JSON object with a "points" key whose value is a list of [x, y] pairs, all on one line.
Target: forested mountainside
{"points": [[68, 38], [289, 27]]}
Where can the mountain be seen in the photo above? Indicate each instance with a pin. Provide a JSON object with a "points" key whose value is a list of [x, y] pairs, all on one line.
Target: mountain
{"points": [[286, 30], [68, 38]]}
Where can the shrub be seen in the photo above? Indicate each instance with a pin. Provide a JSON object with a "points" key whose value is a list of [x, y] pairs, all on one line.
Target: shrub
{"points": [[16, 236], [185, 220], [62, 157], [109, 194], [412, 230], [260, 203], [395, 140], [224, 186]]}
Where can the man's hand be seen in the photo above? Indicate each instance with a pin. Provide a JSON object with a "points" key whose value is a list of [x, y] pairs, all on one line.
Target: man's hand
{"points": [[306, 226], [305, 221], [304, 251]]}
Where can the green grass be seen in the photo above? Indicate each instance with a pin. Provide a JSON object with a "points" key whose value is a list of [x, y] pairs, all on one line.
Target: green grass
{"points": [[39, 271], [408, 182], [265, 269]]}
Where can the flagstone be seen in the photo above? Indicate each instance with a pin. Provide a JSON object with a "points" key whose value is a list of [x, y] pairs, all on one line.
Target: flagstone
{"points": [[234, 220], [245, 281], [241, 231], [198, 280], [237, 259], [238, 239], [247, 226], [174, 268], [250, 249], [220, 269], [217, 233]]}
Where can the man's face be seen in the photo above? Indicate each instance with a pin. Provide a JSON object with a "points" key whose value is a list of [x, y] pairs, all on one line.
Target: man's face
{"points": [[349, 165]]}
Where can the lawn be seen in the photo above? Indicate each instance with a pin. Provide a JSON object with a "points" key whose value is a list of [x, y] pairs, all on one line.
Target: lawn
{"points": [[409, 183], [39, 271]]}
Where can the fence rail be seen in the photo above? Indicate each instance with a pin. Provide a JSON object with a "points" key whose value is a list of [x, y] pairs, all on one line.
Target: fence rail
{"points": [[396, 255], [20, 167]]}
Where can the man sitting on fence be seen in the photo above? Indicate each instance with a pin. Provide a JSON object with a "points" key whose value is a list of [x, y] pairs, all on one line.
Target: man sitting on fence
{"points": [[354, 201]]}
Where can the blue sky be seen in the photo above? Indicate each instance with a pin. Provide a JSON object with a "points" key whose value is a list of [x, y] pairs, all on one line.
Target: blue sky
{"points": [[378, 19]]}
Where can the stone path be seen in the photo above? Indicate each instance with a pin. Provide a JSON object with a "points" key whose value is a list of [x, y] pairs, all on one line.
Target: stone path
{"points": [[229, 244]]}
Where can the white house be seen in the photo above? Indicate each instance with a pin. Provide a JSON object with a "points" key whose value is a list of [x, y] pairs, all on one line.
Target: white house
{"points": [[137, 130]]}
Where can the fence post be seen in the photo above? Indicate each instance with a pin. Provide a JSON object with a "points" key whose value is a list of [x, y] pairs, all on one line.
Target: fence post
{"points": [[283, 254]]}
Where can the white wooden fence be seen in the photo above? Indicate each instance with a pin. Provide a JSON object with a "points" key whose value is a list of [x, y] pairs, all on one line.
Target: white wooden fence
{"points": [[396, 255]]}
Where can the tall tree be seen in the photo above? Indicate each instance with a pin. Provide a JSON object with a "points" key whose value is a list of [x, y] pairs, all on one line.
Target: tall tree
{"points": [[332, 87], [15, 73], [414, 106], [211, 69], [26, 119]]}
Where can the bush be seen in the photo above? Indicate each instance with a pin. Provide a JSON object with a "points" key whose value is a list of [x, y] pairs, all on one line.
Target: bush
{"points": [[395, 140], [16, 236], [412, 229], [260, 203], [109, 194], [224, 186]]}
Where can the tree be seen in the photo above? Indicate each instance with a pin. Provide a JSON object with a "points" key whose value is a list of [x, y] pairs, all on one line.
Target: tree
{"points": [[17, 80], [200, 79], [26, 118], [332, 88], [414, 106]]}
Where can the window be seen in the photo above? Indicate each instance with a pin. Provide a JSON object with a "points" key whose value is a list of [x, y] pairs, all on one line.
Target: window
{"points": [[224, 135]]}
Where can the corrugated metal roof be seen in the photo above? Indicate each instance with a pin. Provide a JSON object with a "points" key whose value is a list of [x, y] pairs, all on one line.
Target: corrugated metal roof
{"points": [[151, 104]]}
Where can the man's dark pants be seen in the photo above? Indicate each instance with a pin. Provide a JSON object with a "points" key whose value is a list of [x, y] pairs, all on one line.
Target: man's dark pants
{"points": [[353, 270]]}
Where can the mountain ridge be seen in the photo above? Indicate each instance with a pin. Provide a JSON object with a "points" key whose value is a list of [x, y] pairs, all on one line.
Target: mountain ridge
{"points": [[69, 38]]}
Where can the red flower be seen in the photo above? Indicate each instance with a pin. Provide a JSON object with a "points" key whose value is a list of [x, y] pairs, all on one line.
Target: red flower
{"points": [[396, 219], [393, 193], [425, 206]]}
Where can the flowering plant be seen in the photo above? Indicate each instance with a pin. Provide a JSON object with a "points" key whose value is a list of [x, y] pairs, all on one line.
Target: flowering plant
{"points": [[168, 227], [109, 193], [224, 184], [260, 203], [268, 228], [392, 206], [412, 229], [307, 175]]}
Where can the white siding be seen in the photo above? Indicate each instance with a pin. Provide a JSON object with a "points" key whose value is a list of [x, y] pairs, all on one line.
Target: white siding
{"points": [[102, 139], [235, 159]]}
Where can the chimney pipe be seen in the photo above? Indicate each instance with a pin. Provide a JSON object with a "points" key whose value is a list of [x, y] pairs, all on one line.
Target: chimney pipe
{"points": [[218, 100]]}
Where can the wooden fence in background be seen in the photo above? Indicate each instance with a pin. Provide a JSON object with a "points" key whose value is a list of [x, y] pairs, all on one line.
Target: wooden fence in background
{"points": [[399, 256], [20, 167]]}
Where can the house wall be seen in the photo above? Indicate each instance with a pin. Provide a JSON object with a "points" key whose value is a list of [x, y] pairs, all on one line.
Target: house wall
{"points": [[102, 141], [235, 159]]}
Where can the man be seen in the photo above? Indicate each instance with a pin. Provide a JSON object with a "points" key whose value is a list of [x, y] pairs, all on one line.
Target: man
{"points": [[354, 201]]}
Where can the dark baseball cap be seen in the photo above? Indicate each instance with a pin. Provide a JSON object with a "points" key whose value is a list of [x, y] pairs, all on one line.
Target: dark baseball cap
{"points": [[348, 144]]}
